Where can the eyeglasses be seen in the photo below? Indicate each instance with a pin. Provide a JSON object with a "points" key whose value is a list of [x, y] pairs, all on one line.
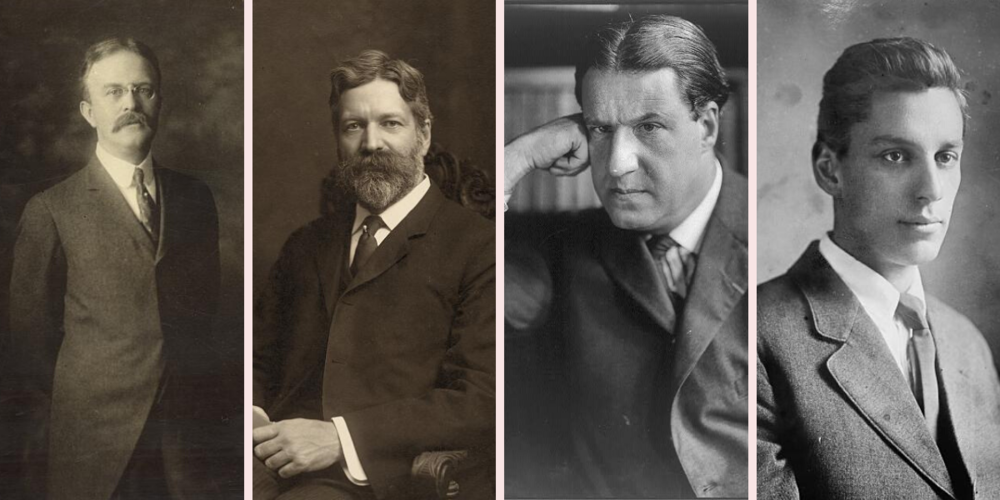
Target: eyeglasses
{"points": [[145, 92]]}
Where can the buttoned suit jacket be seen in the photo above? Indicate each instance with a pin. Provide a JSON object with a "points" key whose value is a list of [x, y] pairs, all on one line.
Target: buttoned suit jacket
{"points": [[636, 400], [103, 323], [405, 349], [836, 417]]}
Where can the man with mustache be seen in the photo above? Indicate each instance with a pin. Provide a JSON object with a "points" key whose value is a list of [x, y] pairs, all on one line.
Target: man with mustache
{"points": [[114, 287], [867, 386], [640, 305], [374, 337]]}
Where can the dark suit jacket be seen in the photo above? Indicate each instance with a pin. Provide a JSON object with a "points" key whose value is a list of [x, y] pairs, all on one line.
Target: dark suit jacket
{"points": [[836, 418], [404, 351], [100, 319], [645, 417]]}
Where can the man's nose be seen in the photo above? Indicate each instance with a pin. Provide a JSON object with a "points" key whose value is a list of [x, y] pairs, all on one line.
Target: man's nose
{"points": [[623, 158], [371, 140], [930, 185], [129, 100]]}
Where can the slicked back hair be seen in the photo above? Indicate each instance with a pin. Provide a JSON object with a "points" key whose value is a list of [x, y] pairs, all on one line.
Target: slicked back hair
{"points": [[109, 47], [656, 42], [371, 65], [881, 65]]}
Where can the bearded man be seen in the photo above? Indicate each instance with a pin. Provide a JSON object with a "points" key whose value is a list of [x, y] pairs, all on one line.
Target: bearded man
{"points": [[374, 337]]}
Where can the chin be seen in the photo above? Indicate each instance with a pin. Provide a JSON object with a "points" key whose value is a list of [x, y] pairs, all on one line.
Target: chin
{"points": [[920, 253], [627, 219]]}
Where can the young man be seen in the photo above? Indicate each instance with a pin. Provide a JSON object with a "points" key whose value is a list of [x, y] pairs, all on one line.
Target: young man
{"points": [[867, 386]]}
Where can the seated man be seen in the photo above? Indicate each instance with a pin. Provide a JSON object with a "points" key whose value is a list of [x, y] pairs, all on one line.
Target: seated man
{"points": [[374, 338], [867, 387]]}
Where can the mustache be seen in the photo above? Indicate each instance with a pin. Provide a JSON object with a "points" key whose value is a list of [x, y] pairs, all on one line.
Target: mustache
{"points": [[379, 160], [379, 178], [130, 118]]}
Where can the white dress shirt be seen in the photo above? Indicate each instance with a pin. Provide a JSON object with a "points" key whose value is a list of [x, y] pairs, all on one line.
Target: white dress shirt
{"points": [[122, 171], [878, 298], [691, 231], [391, 216]]}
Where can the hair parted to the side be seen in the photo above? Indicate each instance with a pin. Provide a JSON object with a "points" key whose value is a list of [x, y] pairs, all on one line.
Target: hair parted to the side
{"points": [[374, 64], [110, 46], [656, 42], [881, 65]]}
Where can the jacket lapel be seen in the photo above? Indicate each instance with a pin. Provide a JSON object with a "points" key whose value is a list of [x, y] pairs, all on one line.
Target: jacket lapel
{"points": [[720, 281], [965, 397], [331, 258], [864, 371], [109, 200], [397, 244], [164, 185], [629, 264]]}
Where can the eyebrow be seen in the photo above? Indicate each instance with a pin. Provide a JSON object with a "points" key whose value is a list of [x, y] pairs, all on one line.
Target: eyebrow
{"points": [[651, 115], [122, 85], [384, 116], [892, 139]]}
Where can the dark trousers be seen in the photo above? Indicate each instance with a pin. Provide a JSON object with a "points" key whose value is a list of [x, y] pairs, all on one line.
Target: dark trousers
{"points": [[145, 474], [168, 463], [329, 484]]}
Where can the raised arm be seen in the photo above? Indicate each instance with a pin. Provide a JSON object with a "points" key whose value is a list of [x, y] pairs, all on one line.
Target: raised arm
{"points": [[559, 147]]}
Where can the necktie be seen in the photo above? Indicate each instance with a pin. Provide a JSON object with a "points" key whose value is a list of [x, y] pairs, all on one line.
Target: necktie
{"points": [[921, 351], [149, 213], [675, 266], [366, 243]]}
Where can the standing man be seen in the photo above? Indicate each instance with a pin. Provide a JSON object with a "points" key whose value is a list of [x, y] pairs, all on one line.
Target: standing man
{"points": [[867, 387], [113, 291], [647, 295], [374, 338]]}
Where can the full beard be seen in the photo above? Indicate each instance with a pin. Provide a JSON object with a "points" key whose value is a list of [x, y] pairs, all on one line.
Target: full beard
{"points": [[381, 178]]}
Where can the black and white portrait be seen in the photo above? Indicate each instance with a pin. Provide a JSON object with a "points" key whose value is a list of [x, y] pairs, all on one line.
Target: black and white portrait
{"points": [[877, 181], [625, 267]]}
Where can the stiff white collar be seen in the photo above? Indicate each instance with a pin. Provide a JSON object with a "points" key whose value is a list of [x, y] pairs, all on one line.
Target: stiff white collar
{"points": [[875, 293], [691, 231], [122, 171]]}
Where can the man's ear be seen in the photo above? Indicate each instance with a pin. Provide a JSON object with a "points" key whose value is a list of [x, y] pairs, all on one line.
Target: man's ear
{"points": [[827, 169], [426, 135], [88, 113], [708, 119]]}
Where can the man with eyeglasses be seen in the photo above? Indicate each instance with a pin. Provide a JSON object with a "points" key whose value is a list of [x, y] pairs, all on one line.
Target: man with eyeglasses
{"points": [[114, 287]]}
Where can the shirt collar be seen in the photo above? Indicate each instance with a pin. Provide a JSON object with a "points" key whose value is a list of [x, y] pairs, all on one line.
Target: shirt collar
{"points": [[875, 293], [122, 171], [691, 231], [396, 212]]}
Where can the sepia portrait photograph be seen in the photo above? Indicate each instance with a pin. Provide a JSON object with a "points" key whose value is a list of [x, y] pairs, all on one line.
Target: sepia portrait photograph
{"points": [[374, 250], [121, 262], [878, 275], [625, 240]]}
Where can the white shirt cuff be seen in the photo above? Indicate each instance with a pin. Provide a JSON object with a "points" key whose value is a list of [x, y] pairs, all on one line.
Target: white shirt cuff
{"points": [[351, 464]]}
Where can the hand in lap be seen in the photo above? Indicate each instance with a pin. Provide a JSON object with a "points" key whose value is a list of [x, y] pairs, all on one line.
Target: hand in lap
{"points": [[299, 445]]}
